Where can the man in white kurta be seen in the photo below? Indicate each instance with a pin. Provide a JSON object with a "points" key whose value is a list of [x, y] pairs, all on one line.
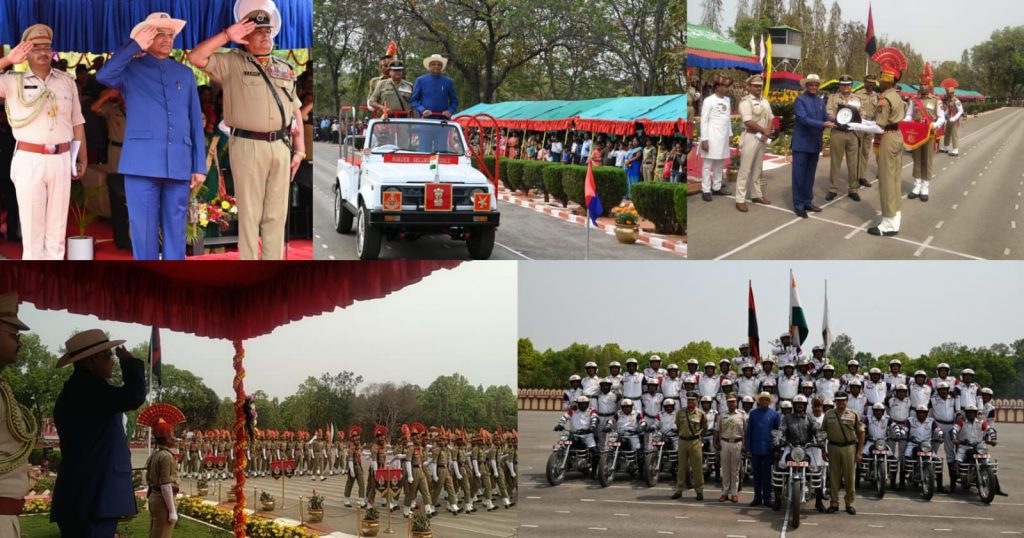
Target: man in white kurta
{"points": [[715, 133]]}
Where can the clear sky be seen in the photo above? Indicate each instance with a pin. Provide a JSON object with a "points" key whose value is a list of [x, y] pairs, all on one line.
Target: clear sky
{"points": [[885, 307], [939, 29], [454, 321]]}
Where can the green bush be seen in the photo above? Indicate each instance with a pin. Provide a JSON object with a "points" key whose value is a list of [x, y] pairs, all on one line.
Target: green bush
{"points": [[609, 180], [552, 174], [977, 108], [573, 179], [514, 172], [533, 178], [503, 173], [660, 203]]}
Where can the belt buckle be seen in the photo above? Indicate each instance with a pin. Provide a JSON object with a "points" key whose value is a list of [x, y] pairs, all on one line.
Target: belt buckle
{"points": [[272, 137], [50, 149]]}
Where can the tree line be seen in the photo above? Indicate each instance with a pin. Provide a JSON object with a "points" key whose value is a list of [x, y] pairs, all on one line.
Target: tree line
{"points": [[337, 398], [999, 366], [502, 50]]}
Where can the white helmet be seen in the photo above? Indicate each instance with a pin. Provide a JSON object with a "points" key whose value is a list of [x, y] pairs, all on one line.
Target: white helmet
{"points": [[800, 398], [828, 367], [606, 381], [942, 365], [967, 371], [921, 408], [669, 401], [852, 362], [709, 364], [807, 384], [942, 385], [691, 380], [672, 366], [725, 361], [901, 386], [856, 383], [971, 408], [786, 404], [653, 381], [692, 361], [631, 360], [726, 382], [748, 399], [878, 405], [590, 364], [574, 377], [829, 403], [705, 399], [654, 358], [626, 402], [747, 365], [895, 361], [786, 335], [920, 373], [874, 371], [615, 364], [817, 348], [986, 390], [582, 399]]}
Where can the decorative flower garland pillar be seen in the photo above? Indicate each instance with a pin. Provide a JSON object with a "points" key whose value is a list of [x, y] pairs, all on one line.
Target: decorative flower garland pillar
{"points": [[241, 439]]}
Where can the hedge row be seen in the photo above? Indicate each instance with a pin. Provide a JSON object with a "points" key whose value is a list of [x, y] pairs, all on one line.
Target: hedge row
{"points": [[664, 204]]}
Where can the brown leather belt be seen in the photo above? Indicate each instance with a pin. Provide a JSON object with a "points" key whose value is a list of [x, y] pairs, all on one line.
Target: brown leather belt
{"points": [[10, 506], [752, 131], [891, 128], [45, 149], [255, 135], [736, 440]]}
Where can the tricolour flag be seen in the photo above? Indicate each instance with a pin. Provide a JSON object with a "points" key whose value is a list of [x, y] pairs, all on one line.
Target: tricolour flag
{"points": [[434, 160], [590, 194], [870, 45], [826, 324], [797, 320], [155, 358], [753, 338]]}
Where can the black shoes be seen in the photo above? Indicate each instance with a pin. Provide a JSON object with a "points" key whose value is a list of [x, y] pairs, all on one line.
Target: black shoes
{"points": [[851, 510], [832, 510], [800, 213], [924, 197], [706, 196], [831, 196], [854, 196], [875, 231], [721, 192], [813, 208], [700, 496], [755, 502], [864, 183], [677, 495]]}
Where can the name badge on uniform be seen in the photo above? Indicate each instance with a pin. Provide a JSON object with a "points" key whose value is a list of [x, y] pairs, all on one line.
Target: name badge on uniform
{"points": [[281, 73]]}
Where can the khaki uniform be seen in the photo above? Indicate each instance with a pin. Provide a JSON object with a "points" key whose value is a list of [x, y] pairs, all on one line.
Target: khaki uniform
{"points": [[890, 112], [372, 85], [730, 435], [261, 170], [951, 140], [354, 466], [113, 114], [843, 144], [379, 455], [923, 155], [442, 459], [843, 430], [395, 96], [160, 470], [42, 182], [419, 483], [752, 150], [650, 154], [868, 104], [14, 452], [691, 426], [466, 470]]}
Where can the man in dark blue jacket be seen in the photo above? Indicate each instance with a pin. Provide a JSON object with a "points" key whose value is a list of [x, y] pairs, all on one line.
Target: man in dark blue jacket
{"points": [[811, 121], [94, 485], [757, 439], [433, 98], [164, 154]]}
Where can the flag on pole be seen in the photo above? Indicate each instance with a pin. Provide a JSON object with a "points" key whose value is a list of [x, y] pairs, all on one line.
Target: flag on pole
{"points": [[155, 358], [768, 58], [435, 160], [753, 47], [826, 324], [870, 45], [753, 338], [330, 433], [762, 51], [590, 194], [797, 320]]}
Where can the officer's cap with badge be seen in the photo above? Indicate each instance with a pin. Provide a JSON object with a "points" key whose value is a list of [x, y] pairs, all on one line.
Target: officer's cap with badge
{"points": [[396, 66], [38, 34], [262, 12]]}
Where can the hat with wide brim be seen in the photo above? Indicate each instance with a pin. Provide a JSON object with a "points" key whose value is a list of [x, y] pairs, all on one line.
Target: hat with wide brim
{"points": [[85, 344], [9, 311], [810, 78], [764, 396], [159, 20], [435, 58]]}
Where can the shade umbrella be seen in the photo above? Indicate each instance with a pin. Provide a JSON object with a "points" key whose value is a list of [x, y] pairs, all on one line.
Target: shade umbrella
{"points": [[786, 80], [707, 49], [226, 300]]}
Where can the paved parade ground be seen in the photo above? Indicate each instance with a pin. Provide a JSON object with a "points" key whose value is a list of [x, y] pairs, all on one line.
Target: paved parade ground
{"points": [[581, 507], [974, 210], [523, 234]]}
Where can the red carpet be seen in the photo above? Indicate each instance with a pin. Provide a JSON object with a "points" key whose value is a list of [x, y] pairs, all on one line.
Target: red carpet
{"points": [[104, 248]]}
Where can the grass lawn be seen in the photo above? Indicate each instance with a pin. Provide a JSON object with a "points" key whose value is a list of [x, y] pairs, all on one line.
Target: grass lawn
{"points": [[39, 526]]}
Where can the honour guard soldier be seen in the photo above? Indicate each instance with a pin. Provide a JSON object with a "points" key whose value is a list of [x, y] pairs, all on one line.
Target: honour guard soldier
{"points": [[955, 111], [494, 464], [415, 458], [262, 108], [924, 109], [441, 471], [393, 94], [45, 115], [890, 111], [320, 455], [17, 425], [756, 115], [354, 466], [378, 458], [845, 433], [161, 471], [868, 103], [462, 469], [845, 143], [691, 425]]}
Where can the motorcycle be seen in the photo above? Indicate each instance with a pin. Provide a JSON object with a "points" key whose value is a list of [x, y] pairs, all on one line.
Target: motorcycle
{"points": [[897, 437], [616, 458], [878, 466], [710, 460], [568, 454], [922, 467], [792, 479], [659, 458], [978, 469]]}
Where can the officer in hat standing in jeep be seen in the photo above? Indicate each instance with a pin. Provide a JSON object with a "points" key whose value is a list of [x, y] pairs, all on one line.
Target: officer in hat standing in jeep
{"points": [[393, 93], [263, 110]]}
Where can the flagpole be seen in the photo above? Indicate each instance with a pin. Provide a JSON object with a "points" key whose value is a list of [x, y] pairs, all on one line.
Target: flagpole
{"points": [[586, 224]]}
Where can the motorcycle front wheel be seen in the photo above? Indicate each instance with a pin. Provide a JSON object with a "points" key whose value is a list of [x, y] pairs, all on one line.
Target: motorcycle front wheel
{"points": [[605, 474], [985, 490], [651, 470], [880, 477], [796, 494], [927, 481], [554, 470]]}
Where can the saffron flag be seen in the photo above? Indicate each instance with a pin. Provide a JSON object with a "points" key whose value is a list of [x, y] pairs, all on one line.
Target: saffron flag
{"points": [[753, 338], [155, 356], [590, 194], [768, 59], [797, 320], [870, 45]]}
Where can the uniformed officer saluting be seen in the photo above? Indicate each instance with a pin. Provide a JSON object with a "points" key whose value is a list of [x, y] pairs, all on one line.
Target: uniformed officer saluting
{"points": [[45, 116], [262, 109]]}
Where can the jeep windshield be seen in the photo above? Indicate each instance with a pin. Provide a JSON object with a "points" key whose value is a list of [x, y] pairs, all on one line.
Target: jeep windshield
{"points": [[429, 138]]}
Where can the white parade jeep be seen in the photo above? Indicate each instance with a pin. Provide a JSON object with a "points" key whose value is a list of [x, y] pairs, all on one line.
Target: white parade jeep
{"points": [[406, 178]]}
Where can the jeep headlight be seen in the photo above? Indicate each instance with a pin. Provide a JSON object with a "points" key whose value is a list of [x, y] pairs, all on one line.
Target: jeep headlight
{"points": [[797, 454]]}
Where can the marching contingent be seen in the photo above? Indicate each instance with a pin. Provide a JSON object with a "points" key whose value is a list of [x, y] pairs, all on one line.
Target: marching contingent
{"points": [[469, 468], [788, 422]]}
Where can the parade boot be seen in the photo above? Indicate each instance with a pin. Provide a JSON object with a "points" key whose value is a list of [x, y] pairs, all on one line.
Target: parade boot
{"points": [[469, 508], [955, 152], [454, 509], [506, 502], [430, 511], [917, 189], [952, 477], [997, 488], [924, 190], [943, 149], [818, 504], [392, 507], [490, 505], [406, 513], [938, 481], [348, 503], [362, 503], [323, 477]]}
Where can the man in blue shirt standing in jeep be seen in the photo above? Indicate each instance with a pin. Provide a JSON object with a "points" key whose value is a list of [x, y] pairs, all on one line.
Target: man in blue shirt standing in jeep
{"points": [[433, 97]]}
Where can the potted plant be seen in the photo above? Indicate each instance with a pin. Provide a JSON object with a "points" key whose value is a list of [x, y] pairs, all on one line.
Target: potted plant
{"points": [[203, 487], [626, 218], [370, 524], [81, 247], [316, 508], [221, 210], [421, 525], [267, 501]]}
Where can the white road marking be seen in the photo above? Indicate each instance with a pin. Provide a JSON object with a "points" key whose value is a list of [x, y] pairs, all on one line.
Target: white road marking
{"points": [[592, 500], [682, 517], [941, 530], [665, 532], [533, 497], [974, 518], [758, 239], [965, 194], [513, 251], [1013, 226], [325, 246], [331, 257], [566, 511], [601, 528], [1006, 252], [955, 206], [923, 246], [528, 526], [858, 229], [626, 515], [735, 536], [939, 225], [811, 524], [877, 526], [742, 520], [1016, 207]]}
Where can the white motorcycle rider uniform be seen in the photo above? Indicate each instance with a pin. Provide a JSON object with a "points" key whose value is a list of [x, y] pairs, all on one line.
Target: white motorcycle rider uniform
{"points": [[788, 387], [629, 427], [670, 387], [967, 394], [968, 433], [632, 385], [920, 430], [896, 379], [944, 412], [848, 378], [666, 424], [877, 428], [651, 373], [747, 386], [899, 412], [590, 386], [920, 395], [579, 421], [876, 392], [569, 397], [651, 404], [607, 406], [827, 388], [786, 355], [857, 403], [708, 385]]}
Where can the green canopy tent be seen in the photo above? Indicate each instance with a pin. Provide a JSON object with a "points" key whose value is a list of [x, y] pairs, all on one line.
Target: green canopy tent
{"points": [[660, 115]]}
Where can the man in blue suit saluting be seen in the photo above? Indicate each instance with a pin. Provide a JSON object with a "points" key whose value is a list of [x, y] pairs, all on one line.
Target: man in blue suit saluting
{"points": [[94, 486], [164, 148]]}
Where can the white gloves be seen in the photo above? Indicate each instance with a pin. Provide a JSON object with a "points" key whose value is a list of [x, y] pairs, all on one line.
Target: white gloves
{"points": [[455, 467], [167, 492], [408, 470], [352, 469]]}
